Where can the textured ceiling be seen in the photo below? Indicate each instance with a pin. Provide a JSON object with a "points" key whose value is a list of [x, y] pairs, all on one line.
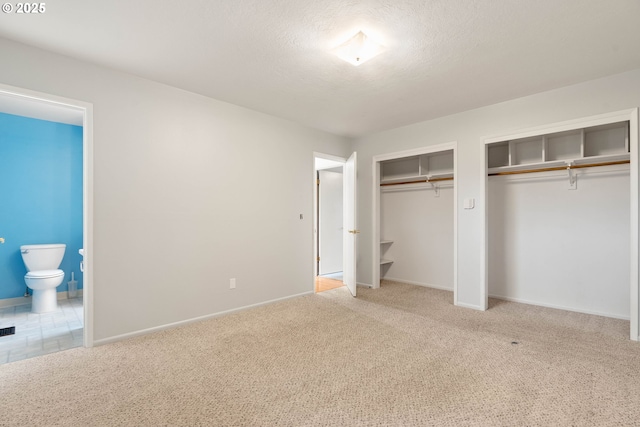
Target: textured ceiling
{"points": [[274, 55]]}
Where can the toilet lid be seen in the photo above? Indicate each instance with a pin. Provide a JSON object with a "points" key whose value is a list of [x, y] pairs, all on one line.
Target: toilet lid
{"points": [[44, 274]]}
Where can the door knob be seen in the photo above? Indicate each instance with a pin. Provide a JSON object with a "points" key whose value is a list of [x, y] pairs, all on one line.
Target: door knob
{"points": [[1, 240]]}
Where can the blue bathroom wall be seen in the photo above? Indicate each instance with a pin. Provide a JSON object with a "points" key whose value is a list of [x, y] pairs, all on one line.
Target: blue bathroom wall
{"points": [[40, 195]]}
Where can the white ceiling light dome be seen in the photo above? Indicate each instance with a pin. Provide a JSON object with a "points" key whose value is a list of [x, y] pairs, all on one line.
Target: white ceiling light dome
{"points": [[358, 49]]}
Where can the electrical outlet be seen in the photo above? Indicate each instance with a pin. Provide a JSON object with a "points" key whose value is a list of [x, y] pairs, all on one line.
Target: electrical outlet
{"points": [[232, 283]]}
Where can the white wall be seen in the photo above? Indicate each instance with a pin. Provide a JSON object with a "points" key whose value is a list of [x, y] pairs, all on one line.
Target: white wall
{"points": [[470, 129], [331, 229], [561, 248], [182, 199], [421, 227]]}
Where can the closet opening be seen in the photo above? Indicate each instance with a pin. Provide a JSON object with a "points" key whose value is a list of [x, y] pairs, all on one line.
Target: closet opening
{"points": [[562, 216], [415, 225]]}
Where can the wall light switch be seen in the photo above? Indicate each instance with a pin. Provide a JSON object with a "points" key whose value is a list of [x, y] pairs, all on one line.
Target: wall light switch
{"points": [[232, 283], [301, 216], [469, 203]]}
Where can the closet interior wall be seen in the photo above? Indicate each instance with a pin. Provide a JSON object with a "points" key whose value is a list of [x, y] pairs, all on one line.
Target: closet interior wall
{"points": [[416, 220], [556, 243]]}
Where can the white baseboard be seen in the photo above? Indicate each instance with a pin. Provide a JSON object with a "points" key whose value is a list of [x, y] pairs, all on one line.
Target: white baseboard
{"points": [[364, 285], [425, 285], [558, 307], [65, 294], [12, 302], [471, 306], [192, 320]]}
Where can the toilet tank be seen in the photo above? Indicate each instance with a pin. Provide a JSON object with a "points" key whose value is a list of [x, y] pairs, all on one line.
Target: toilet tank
{"points": [[42, 257]]}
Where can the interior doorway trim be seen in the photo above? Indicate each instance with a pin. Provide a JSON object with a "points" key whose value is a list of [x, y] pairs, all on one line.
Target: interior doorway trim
{"points": [[630, 115], [375, 260], [86, 109], [338, 159]]}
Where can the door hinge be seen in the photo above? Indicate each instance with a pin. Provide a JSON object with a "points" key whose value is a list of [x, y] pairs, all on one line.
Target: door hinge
{"points": [[318, 259], [318, 181]]}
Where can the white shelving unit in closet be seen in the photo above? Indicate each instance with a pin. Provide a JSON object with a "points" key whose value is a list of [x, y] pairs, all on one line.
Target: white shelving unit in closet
{"points": [[603, 145]]}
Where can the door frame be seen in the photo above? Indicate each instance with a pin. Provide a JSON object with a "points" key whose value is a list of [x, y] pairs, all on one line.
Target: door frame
{"points": [[350, 220], [376, 206], [86, 109], [630, 115]]}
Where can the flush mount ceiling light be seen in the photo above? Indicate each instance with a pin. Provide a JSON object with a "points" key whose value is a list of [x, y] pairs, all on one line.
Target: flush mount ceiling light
{"points": [[358, 49]]}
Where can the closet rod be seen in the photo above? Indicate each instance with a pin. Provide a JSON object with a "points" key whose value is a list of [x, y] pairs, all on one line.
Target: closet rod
{"points": [[417, 182], [561, 168]]}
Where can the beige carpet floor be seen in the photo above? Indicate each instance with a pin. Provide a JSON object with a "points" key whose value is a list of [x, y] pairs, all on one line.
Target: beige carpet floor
{"points": [[397, 356]]}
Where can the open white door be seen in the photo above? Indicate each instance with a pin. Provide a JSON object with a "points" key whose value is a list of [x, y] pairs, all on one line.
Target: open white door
{"points": [[350, 230]]}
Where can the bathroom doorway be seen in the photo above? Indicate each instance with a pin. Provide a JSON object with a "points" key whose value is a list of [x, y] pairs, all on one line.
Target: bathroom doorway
{"points": [[50, 141]]}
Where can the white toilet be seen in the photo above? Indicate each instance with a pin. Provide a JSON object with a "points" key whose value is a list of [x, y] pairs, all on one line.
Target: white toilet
{"points": [[43, 275]]}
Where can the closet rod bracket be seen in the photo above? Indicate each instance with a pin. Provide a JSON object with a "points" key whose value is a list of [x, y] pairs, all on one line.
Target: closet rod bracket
{"points": [[434, 185], [573, 178]]}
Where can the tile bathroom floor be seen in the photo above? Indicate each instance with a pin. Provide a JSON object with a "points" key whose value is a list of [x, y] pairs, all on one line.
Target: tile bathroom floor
{"points": [[38, 334]]}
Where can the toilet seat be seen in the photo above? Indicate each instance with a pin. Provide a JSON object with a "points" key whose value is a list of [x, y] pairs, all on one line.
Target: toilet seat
{"points": [[44, 274]]}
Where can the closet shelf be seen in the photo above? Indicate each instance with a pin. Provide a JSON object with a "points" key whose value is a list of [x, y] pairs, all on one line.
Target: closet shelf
{"points": [[386, 242], [601, 145], [406, 170], [385, 261]]}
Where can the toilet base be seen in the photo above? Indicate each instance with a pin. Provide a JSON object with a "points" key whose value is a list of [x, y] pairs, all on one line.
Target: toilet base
{"points": [[44, 301]]}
